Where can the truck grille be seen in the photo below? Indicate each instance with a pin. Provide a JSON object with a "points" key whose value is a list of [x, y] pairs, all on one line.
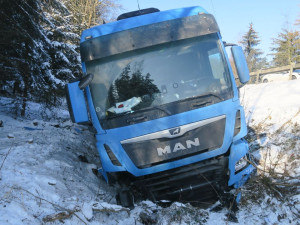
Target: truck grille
{"points": [[176, 143]]}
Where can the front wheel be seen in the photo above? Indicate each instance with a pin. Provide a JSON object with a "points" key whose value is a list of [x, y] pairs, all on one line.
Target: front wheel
{"points": [[125, 199], [265, 81], [294, 77]]}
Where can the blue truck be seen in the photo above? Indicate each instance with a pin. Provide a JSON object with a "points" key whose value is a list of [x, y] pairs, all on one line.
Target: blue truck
{"points": [[160, 92]]}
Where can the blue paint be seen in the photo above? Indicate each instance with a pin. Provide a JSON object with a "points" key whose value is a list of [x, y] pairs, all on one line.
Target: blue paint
{"points": [[112, 137], [238, 150], [238, 197], [78, 103], [31, 129], [242, 67], [138, 21], [92, 112]]}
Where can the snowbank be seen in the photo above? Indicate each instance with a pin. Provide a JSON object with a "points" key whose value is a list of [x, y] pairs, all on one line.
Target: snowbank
{"points": [[272, 104]]}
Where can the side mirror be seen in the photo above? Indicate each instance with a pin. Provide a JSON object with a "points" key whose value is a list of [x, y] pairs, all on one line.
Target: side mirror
{"points": [[76, 103], [240, 64], [85, 81]]}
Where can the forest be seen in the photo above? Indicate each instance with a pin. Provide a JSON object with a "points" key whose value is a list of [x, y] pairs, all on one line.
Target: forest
{"points": [[39, 45]]}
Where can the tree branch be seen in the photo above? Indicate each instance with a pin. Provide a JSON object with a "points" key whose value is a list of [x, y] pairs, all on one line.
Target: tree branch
{"points": [[63, 215]]}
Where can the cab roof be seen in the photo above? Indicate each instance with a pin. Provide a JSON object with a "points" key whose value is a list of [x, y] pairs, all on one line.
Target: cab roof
{"points": [[138, 21]]}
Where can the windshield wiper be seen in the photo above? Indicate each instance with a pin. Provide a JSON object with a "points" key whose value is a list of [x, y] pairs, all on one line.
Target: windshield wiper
{"points": [[203, 96], [167, 112], [136, 119], [142, 117], [164, 110], [205, 102], [117, 115], [202, 103], [217, 96]]}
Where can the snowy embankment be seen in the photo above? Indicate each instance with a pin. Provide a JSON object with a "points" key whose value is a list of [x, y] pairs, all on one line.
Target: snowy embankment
{"points": [[273, 115], [48, 176], [272, 104]]}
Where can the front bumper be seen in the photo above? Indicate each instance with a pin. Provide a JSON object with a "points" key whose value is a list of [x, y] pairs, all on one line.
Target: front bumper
{"points": [[238, 150], [204, 181], [199, 182]]}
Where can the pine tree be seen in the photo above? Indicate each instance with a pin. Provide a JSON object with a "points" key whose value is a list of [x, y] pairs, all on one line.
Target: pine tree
{"points": [[23, 52], [38, 51], [133, 83], [39, 47], [249, 42], [64, 43], [286, 48]]}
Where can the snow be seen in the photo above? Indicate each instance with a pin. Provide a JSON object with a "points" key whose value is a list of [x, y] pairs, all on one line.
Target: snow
{"points": [[62, 56], [45, 65], [57, 44], [43, 180], [72, 35], [272, 103]]}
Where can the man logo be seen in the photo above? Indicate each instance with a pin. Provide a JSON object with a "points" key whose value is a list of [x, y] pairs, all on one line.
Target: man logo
{"points": [[178, 147], [175, 131]]}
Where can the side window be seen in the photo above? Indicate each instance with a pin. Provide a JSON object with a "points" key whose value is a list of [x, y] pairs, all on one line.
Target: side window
{"points": [[217, 65]]}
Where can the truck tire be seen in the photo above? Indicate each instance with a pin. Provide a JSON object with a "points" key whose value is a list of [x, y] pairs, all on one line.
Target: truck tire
{"points": [[125, 199]]}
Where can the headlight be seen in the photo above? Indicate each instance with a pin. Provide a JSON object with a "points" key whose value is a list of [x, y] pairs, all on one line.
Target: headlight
{"points": [[241, 164]]}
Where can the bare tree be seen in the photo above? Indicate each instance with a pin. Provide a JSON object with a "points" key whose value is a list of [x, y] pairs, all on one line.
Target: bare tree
{"points": [[88, 13]]}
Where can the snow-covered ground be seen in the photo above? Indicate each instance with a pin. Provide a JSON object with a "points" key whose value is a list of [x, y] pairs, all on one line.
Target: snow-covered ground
{"points": [[48, 169]]}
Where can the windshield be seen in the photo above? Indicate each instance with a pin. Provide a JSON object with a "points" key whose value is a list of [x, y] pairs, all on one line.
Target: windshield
{"points": [[159, 77]]}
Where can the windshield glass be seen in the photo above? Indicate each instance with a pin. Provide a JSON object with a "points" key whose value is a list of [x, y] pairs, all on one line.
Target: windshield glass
{"points": [[159, 75]]}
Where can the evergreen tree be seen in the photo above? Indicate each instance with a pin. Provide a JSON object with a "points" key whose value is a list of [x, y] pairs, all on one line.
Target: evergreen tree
{"points": [[286, 48], [39, 47], [23, 52], [132, 83], [38, 51], [249, 42], [64, 43]]}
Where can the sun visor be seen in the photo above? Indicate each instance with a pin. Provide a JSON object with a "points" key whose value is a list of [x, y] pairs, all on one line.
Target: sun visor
{"points": [[148, 35]]}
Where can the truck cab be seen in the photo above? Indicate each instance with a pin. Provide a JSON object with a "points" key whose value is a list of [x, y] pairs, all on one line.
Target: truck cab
{"points": [[160, 92]]}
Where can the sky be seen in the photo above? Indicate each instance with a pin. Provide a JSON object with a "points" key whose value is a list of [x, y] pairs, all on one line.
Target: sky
{"points": [[235, 16]]}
